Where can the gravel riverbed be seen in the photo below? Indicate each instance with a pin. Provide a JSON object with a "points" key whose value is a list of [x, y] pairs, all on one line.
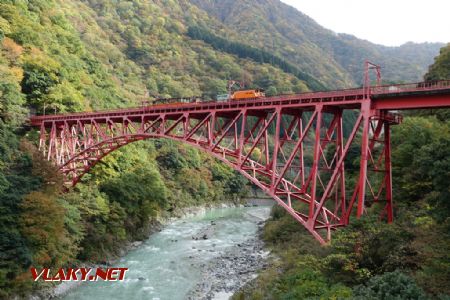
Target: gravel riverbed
{"points": [[225, 274]]}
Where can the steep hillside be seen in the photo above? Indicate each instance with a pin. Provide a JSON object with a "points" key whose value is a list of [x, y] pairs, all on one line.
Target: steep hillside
{"points": [[81, 55], [336, 59], [440, 70], [152, 35]]}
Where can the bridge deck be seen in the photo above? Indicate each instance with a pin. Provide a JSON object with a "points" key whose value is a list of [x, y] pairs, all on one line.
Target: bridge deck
{"points": [[389, 97]]}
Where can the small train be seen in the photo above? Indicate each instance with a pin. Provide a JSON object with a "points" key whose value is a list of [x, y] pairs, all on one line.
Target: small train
{"points": [[237, 95], [248, 94], [164, 101], [171, 101], [242, 95]]}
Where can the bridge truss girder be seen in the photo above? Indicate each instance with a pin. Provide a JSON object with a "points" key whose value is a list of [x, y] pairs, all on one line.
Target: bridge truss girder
{"points": [[299, 156]]}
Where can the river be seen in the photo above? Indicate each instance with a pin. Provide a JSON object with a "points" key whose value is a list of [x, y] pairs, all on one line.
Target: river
{"points": [[172, 264]]}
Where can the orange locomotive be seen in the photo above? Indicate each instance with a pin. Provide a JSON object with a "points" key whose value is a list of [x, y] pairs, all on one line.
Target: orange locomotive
{"points": [[247, 94]]}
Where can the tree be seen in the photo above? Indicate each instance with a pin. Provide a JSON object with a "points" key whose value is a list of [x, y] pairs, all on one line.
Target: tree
{"points": [[11, 101], [39, 78], [389, 286], [422, 164], [42, 223], [140, 192], [440, 70]]}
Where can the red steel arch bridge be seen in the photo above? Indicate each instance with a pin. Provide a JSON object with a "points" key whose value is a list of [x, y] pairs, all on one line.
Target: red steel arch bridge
{"points": [[293, 147]]}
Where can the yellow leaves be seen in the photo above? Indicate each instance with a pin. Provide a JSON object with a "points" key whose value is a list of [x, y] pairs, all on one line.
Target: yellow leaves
{"points": [[5, 28], [65, 95], [256, 153], [17, 72], [424, 222], [108, 169], [160, 22], [301, 87], [85, 79], [178, 27], [190, 178], [6, 74], [38, 58]]}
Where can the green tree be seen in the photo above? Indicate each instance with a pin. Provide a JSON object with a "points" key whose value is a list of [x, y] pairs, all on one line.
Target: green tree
{"points": [[140, 192], [440, 70], [392, 285]]}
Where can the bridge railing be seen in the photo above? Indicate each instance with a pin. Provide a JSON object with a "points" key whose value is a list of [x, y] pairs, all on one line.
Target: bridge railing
{"points": [[324, 95], [411, 87], [283, 97]]}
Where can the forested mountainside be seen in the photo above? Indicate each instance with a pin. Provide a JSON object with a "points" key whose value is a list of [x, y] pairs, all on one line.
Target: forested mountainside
{"points": [[441, 68], [84, 55], [335, 59], [371, 260]]}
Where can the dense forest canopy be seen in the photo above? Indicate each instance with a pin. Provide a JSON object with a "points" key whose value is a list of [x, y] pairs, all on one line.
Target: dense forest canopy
{"points": [[86, 55]]}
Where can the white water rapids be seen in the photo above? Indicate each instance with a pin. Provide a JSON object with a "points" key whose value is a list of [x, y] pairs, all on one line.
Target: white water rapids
{"points": [[171, 264]]}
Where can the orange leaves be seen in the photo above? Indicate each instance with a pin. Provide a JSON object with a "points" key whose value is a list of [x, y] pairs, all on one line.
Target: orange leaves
{"points": [[42, 223], [53, 180], [11, 50], [42, 218]]}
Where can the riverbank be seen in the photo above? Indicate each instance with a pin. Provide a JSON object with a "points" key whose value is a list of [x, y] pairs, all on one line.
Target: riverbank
{"points": [[230, 271]]}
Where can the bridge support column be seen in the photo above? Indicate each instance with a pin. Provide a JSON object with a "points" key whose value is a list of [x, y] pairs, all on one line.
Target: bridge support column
{"points": [[275, 149], [315, 167], [365, 111], [388, 171], [340, 198]]}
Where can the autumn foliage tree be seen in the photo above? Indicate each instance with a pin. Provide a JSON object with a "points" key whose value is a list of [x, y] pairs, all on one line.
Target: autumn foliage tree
{"points": [[42, 222]]}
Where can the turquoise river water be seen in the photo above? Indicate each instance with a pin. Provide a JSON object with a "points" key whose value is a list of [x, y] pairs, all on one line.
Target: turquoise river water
{"points": [[168, 265]]}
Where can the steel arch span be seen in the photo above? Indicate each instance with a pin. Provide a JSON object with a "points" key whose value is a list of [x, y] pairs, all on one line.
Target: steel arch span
{"points": [[294, 147], [312, 189]]}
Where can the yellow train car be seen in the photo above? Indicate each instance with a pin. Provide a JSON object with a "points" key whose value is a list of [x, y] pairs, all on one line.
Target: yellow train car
{"points": [[248, 94]]}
